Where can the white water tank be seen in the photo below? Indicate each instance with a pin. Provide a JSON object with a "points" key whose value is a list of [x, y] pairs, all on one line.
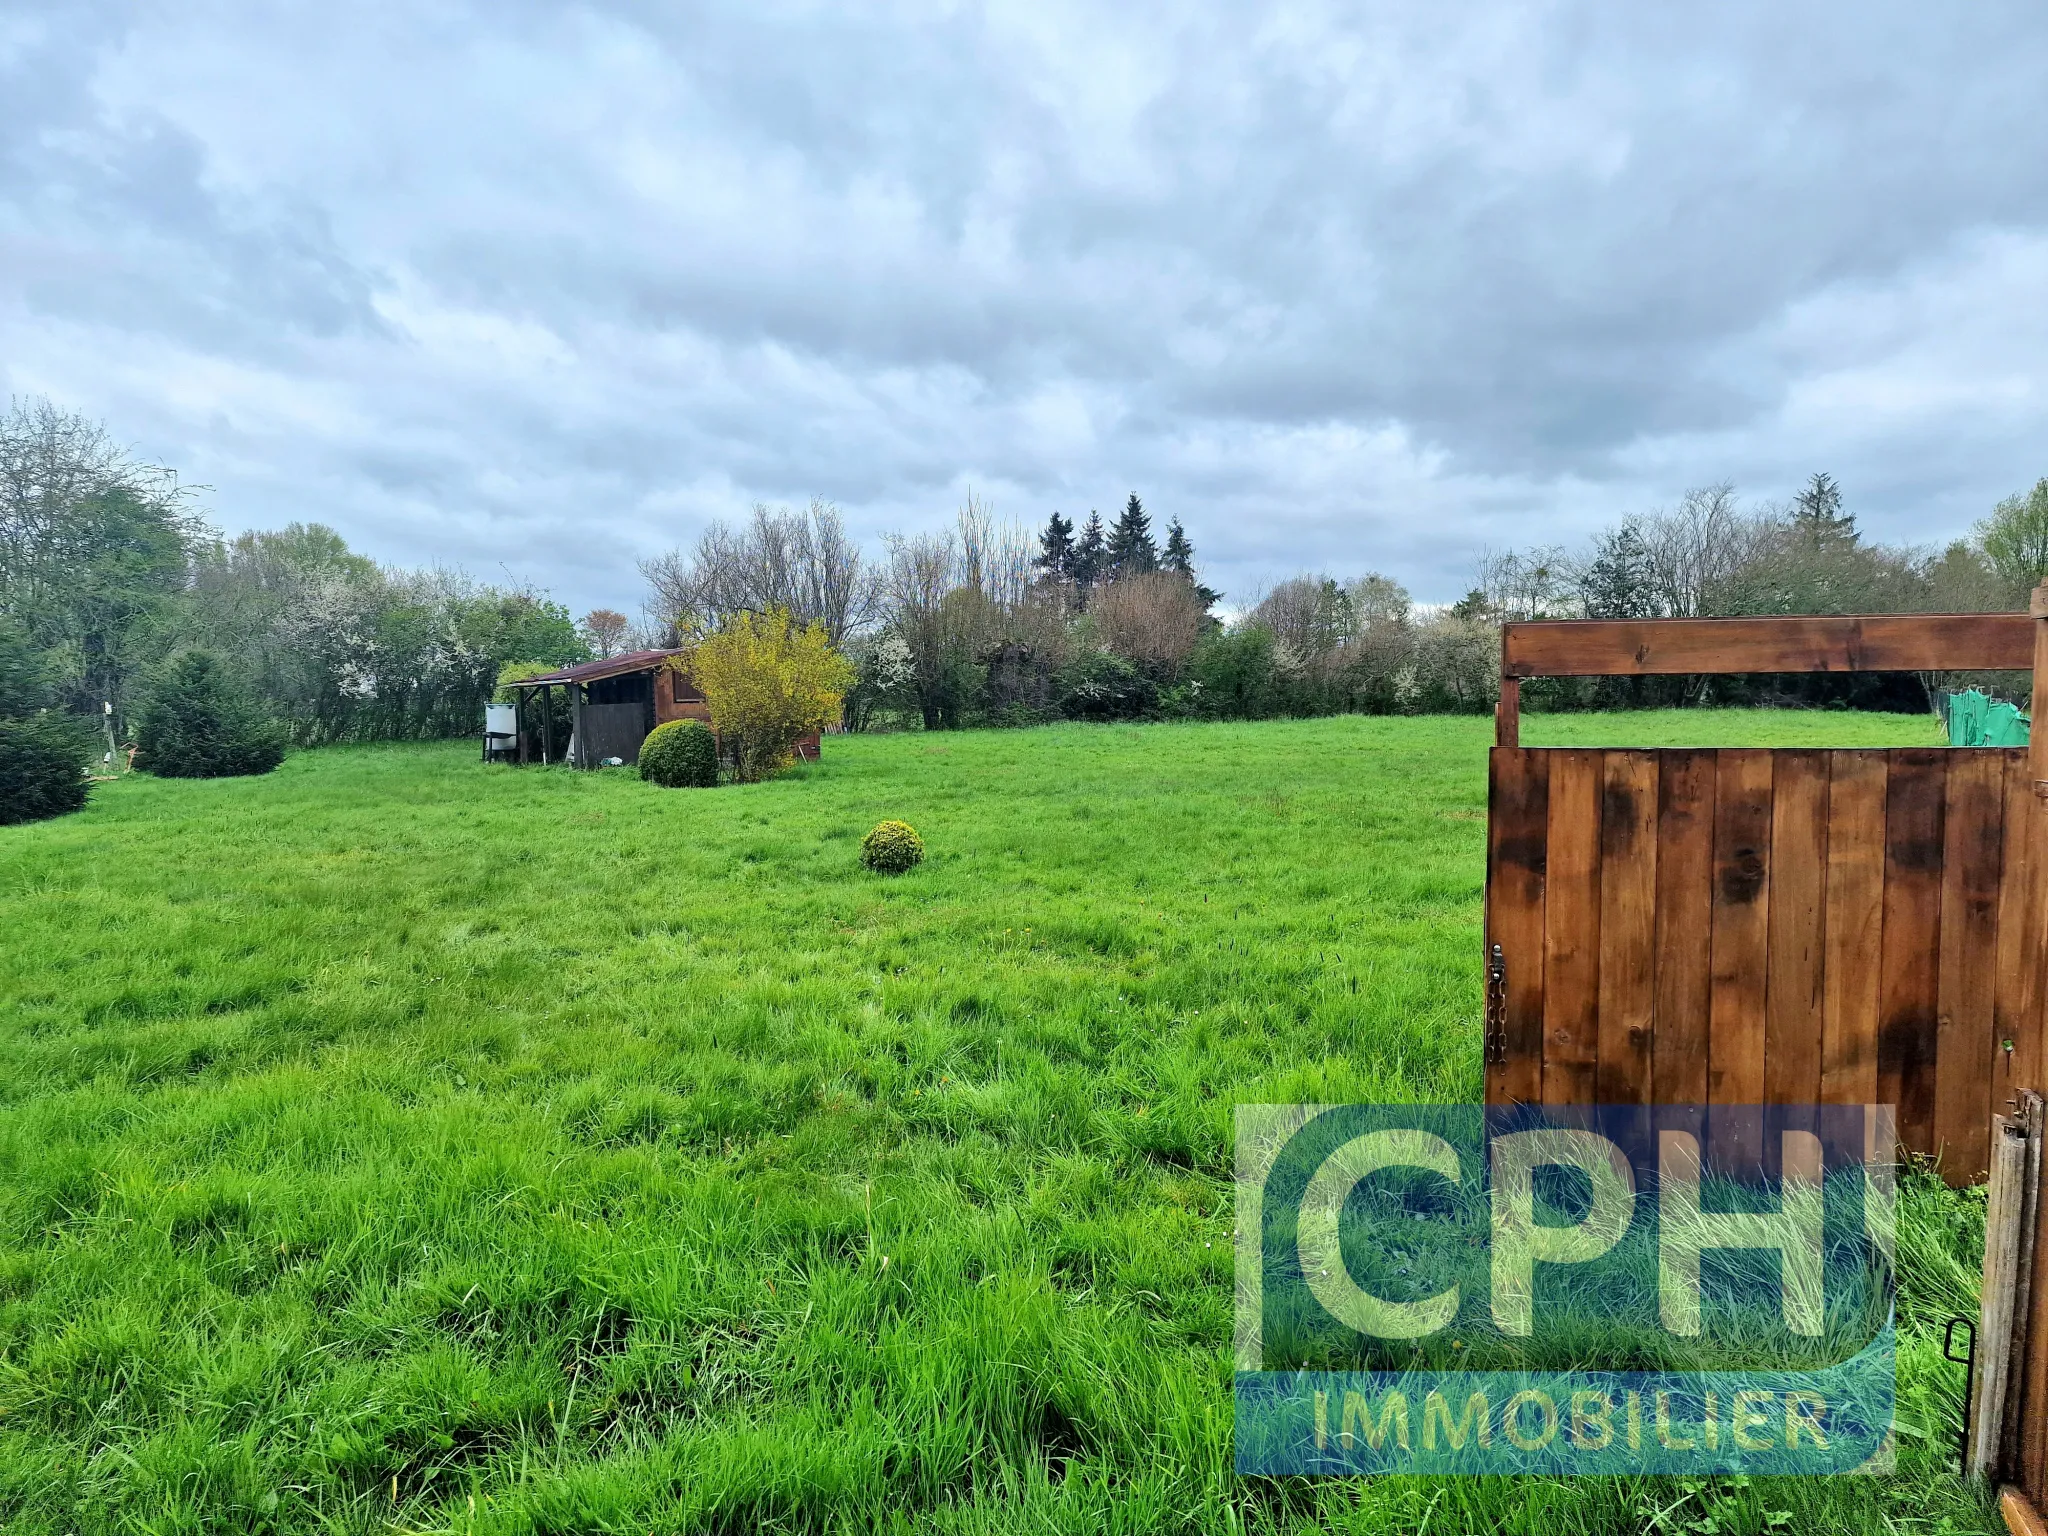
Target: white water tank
{"points": [[500, 720]]}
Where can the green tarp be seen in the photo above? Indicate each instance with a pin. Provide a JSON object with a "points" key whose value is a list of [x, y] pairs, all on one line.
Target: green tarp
{"points": [[1975, 719]]}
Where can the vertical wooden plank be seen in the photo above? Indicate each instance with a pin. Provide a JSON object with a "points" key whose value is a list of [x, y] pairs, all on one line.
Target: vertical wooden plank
{"points": [[1973, 838], [1910, 946], [1796, 994], [1518, 800], [1507, 714], [2018, 987], [1854, 918], [1741, 951], [1571, 930], [1628, 926], [1685, 873]]}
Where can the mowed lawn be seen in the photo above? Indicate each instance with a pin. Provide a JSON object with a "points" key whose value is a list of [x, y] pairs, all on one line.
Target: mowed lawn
{"points": [[399, 1143]]}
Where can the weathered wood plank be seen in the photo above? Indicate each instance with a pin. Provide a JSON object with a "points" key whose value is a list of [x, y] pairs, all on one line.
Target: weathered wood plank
{"points": [[1918, 642], [1973, 846], [1796, 997], [1517, 837], [1741, 951], [1571, 930], [1910, 945], [1628, 926], [1854, 923], [2021, 968], [1685, 875]]}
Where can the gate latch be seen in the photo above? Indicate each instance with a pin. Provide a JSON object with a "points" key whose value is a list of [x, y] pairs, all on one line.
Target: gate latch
{"points": [[1496, 1007]]}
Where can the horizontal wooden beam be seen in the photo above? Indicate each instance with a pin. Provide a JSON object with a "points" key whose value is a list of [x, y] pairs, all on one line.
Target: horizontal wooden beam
{"points": [[1893, 642]]}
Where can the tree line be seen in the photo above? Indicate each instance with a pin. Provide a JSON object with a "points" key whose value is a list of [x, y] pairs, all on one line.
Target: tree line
{"points": [[109, 573]]}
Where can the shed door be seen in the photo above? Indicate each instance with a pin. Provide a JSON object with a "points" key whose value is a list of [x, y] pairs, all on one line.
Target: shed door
{"points": [[610, 730], [1747, 926]]}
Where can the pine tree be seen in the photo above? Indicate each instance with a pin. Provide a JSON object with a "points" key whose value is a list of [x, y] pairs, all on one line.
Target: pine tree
{"points": [[1091, 553], [1131, 550], [1055, 560], [1817, 513], [1619, 583], [1179, 558], [1179, 554]]}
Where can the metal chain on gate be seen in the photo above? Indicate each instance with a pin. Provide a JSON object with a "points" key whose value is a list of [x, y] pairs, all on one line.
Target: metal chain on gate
{"points": [[1496, 1007]]}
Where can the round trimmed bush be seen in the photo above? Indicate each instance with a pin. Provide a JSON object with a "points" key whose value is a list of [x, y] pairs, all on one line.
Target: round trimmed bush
{"points": [[891, 848], [42, 767], [683, 754], [198, 725]]}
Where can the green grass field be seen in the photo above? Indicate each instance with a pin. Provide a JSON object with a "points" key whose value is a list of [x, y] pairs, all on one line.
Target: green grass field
{"points": [[396, 1143]]}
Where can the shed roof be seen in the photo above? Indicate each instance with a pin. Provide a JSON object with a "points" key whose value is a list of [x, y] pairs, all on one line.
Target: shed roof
{"points": [[596, 671]]}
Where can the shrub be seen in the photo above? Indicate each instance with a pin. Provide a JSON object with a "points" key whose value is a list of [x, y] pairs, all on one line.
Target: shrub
{"points": [[196, 725], [683, 754], [43, 753], [1097, 685], [42, 767], [769, 685], [891, 848]]}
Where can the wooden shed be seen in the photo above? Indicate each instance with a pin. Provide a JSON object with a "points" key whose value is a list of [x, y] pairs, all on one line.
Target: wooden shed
{"points": [[610, 706]]}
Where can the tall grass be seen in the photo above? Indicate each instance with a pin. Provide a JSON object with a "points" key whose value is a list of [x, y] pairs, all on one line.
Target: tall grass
{"points": [[399, 1143]]}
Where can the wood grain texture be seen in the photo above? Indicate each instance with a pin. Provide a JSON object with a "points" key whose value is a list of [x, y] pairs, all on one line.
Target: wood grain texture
{"points": [[1973, 849], [1919, 642], [1910, 946], [1741, 953], [1685, 874], [1518, 831], [1741, 927], [1571, 930], [2021, 968], [1628, 926], [1796, 998], [1854, 922]]}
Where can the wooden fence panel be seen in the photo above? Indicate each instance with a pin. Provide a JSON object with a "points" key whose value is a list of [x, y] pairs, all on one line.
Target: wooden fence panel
{"points": [[1628, 926], [1857, 784], [1685, 859], [1973, 834], [1517, 837], [1745, 926], [1571, 930], [1910, 950]]}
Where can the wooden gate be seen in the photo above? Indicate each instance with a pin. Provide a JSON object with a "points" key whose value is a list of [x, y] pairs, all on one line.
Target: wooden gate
{"points": [[1770, 926]]}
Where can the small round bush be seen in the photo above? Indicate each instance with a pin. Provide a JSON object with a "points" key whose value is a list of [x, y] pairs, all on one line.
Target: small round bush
{"points": [[199, 725], [891, 848], [683, 754], [42, 767]]}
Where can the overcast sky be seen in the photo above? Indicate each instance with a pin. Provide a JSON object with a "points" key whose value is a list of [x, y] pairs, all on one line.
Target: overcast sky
{"points": [[538, 290]]}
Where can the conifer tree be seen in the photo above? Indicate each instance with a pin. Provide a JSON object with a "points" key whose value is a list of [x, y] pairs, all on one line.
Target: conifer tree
{"points": [[1091, 553], [1179, 554], [1619, 583], [1131, 550], [1817, 513], [1055, 559], [1179, 558]]}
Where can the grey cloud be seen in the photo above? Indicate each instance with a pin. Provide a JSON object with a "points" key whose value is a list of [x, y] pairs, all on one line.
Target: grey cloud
{"points": [[1370, 286]]}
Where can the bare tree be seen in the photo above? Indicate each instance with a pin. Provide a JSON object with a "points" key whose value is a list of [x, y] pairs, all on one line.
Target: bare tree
{"points": [[1308, 616], [1153, 618], [800, 561], [918, 582], [1698, 547]]}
